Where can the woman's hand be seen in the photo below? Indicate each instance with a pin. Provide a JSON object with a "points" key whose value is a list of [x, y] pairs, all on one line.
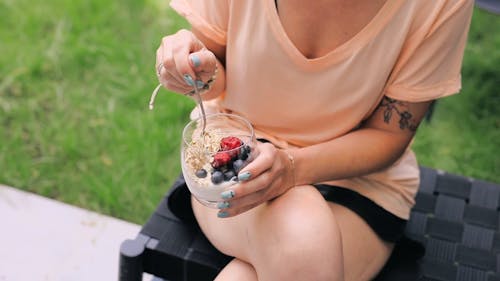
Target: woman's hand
{"points": [[182, 61], [268, 176]]}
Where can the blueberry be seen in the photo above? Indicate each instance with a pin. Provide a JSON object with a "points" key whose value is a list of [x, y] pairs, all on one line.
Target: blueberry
{"points": [[237, 165], [201, 173], [229, 175], [222, 169], [244, 152], [217, 177]]}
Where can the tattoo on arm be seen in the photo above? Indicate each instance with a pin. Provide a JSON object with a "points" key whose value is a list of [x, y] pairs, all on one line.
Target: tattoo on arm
{"points": [[391, 106]]}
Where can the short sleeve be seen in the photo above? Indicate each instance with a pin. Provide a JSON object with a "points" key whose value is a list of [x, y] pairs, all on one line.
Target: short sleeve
{"points": [[208, 16], [430, 63]]}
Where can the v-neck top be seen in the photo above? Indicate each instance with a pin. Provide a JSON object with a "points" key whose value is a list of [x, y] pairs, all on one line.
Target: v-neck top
{"points": [[410, 51], [340, 52]]}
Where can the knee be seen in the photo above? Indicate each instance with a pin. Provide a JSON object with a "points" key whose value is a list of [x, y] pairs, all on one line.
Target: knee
{"points": [[307, 259], [302, 216], [304, 239]]}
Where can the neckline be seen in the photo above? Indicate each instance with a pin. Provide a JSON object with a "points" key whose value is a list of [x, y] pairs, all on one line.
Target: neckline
{"points": [[354, 43]]}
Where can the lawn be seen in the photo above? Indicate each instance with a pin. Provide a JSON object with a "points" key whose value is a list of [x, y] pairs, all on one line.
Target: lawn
{"points": [[75, 80]]}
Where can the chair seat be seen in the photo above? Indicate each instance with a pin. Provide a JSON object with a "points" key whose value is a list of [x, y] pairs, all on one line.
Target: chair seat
{"points": [[455, 218], [492, 6]]}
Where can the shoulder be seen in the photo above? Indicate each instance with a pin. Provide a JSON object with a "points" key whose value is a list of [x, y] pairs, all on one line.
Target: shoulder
{"points": [[424, 17], [438, 10]]}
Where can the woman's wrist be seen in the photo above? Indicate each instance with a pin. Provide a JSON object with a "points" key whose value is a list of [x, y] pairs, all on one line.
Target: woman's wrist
{"points": [[291, 168], [303, 175]]}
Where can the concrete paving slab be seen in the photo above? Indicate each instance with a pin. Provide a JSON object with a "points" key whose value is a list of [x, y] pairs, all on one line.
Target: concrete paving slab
{"points": [[43, 239]]}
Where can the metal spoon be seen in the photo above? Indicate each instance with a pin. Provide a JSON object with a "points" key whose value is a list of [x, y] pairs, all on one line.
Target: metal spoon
{"points": [[153, 96], [200, 103], [198, 98]]}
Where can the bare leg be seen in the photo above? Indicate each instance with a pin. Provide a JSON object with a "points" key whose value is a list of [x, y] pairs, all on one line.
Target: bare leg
{"points": [[364, 252], [298, 236], [237, 270]]}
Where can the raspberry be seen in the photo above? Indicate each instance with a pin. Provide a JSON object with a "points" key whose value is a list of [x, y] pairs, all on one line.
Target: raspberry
{"points": [[221, 159], [229, 143]]}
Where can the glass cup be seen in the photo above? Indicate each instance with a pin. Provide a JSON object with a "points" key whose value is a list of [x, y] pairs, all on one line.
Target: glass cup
{"points": [[211, 160]]}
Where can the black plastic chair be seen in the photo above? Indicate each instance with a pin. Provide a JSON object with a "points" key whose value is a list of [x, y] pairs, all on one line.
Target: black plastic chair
{"points": [[455, 218], [492, 6]]}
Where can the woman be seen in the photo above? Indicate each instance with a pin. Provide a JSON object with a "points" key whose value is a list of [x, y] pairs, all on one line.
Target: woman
{"points": [[335, 90]]}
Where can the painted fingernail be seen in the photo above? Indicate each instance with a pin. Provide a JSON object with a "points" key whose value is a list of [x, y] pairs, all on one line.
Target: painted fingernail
{"points": [[222, 214], [199, 84], [195, 60], [223, 205], [244, 176], [228, 194], [189, 80]]}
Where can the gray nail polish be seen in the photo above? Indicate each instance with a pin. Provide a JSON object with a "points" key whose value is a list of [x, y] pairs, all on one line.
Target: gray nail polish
{"points": [[199, 84], [223, 205], [195, 60], [189, 80], [222, 214], [244, 176], [228, 194]]}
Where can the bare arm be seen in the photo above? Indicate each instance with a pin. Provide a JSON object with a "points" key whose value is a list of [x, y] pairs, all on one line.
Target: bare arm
{"points": [[377, 144]]}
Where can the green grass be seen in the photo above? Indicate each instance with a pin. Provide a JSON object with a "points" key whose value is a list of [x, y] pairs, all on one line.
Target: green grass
{"points": [[463, 136], [75, 80]]}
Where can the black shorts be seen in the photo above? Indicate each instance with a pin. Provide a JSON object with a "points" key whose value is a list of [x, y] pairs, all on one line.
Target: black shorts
{"points": [[388, 227]]}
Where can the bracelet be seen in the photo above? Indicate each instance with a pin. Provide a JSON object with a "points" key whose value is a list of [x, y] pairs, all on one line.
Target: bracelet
{"points": [[292, 164]]}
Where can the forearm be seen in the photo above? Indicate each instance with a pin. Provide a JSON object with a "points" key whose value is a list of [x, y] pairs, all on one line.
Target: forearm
{"points": [[360, 152]]}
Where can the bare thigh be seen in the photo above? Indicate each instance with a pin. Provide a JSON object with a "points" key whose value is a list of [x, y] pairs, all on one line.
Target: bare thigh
{"points": [[298, 219], [364, 252]]}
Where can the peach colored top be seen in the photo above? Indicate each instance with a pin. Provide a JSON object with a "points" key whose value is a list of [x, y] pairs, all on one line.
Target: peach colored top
{"points": [[410, 51]]}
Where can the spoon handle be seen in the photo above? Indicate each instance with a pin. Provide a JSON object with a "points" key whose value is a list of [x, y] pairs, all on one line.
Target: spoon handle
{"points": [[200, 103]]}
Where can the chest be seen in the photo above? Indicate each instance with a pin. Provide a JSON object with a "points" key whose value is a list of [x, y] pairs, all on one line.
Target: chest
{"points": [[318, 27]]}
